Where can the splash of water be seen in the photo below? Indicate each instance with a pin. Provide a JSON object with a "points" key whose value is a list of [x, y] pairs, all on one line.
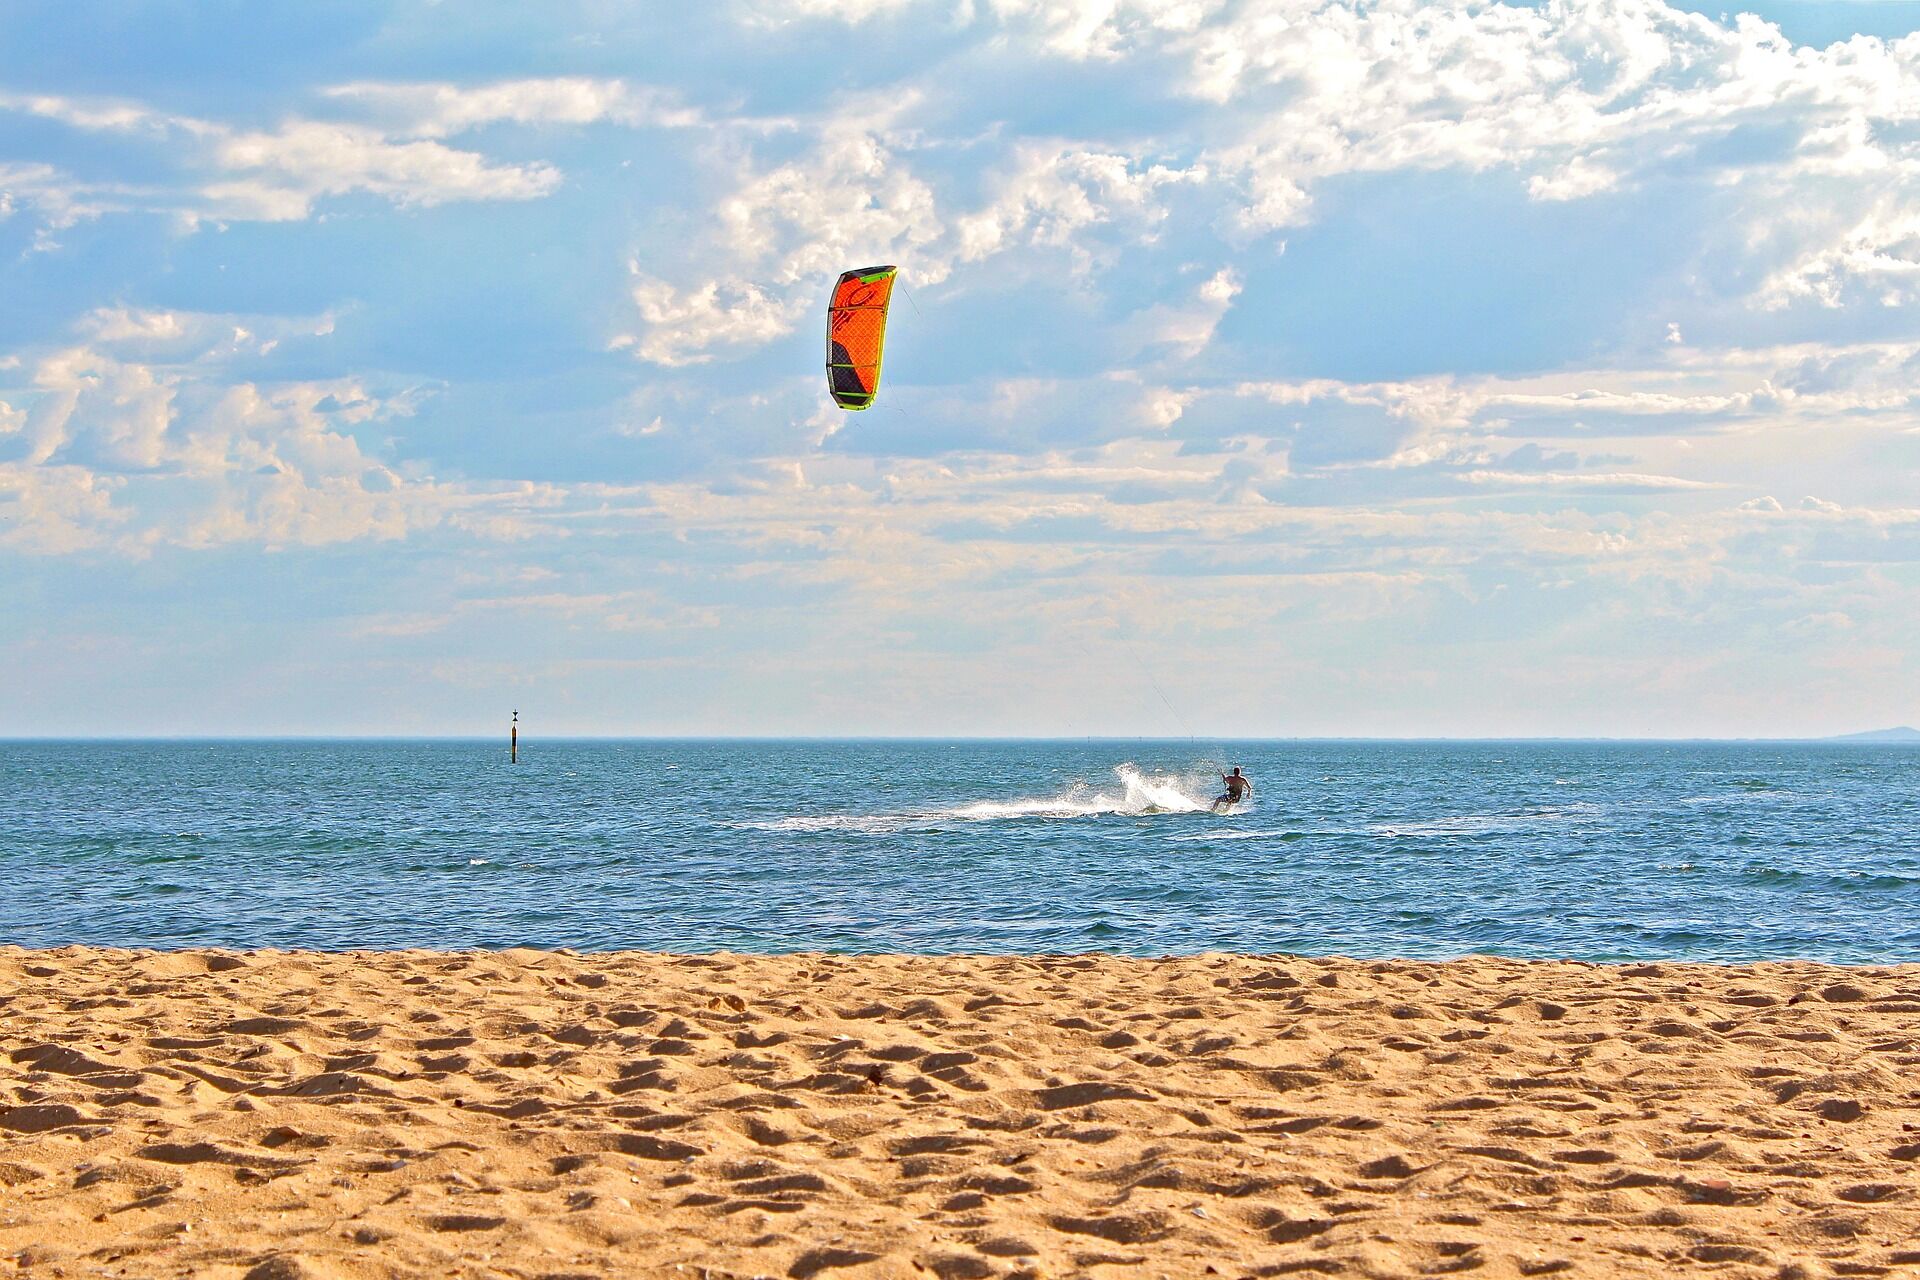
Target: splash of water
{"points": [[1138, 794]]}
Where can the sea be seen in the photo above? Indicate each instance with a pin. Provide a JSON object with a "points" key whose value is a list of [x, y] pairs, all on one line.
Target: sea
{"points": [[1591, 850]]}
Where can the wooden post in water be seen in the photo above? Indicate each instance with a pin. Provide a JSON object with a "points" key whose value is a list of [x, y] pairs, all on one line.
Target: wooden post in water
{"points": [[513, 741]]}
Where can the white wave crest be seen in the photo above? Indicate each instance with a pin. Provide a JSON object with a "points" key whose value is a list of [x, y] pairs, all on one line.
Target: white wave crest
{"points": [[868, 823]]}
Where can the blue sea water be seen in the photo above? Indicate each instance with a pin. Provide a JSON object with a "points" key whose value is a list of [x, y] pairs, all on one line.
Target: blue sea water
{"points": [[1600, 851]]}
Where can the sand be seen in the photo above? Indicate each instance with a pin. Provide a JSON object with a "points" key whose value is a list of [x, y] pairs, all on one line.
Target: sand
{"points": [[273, 1116]]}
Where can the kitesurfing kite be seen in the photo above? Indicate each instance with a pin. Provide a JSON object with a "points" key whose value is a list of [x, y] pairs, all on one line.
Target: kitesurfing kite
{"points": [[856, 333]]}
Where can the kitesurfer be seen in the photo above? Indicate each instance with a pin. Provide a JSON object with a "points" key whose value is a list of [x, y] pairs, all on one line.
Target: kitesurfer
{"points": [[1239, 787]]}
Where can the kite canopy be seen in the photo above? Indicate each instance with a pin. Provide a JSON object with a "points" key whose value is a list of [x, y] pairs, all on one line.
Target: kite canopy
{"points": [[856, 332]]}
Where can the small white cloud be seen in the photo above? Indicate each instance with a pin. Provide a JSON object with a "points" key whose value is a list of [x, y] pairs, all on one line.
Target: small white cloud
{"points": [[1053, 192], [1821, 623], [132, 324], [1186, 327], [1574, 180], [687, 326], [1163, 406], [303, 160], [440, 110], [56, 510]]}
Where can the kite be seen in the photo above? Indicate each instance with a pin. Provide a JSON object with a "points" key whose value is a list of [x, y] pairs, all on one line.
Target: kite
{"points": [[856, 332]]}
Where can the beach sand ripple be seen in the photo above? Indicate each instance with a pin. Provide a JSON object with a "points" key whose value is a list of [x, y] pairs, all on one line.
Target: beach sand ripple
{"points": [[284, 1116]]}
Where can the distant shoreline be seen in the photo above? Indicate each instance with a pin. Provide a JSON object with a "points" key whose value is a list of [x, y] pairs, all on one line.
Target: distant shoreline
{"points": [[222, 957], [1876, 738]]}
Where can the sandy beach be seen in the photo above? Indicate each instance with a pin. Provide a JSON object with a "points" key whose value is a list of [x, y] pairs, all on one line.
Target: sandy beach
{"points": [[282, 1115]]}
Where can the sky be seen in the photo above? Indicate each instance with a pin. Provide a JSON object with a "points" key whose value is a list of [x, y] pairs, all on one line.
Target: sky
{"points": [[1258, 368]]}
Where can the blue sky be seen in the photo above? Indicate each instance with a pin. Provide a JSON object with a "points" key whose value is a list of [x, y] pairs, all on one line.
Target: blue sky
{"points": [[1402, 368]]}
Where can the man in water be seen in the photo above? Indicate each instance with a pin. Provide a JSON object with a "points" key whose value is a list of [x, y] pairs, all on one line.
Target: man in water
{"points": [[1239, 787]]}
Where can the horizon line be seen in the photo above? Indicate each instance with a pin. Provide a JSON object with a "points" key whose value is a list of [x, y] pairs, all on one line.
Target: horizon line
{"points": [[1867, 737]]}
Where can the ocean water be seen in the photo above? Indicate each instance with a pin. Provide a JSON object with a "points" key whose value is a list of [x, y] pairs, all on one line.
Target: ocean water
{"points": [[1600, 851]]}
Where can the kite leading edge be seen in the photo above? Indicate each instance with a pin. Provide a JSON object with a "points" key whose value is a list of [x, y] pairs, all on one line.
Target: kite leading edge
{"points": [[856, 334]]}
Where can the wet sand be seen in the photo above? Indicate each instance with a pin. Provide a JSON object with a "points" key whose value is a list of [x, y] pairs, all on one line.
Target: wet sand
{"points": [[523, 1114]]}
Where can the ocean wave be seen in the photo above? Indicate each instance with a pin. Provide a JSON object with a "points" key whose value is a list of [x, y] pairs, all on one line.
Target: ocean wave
{"points": [[1285, 835], [877, 824], [1842, 878], [1531, 818]]}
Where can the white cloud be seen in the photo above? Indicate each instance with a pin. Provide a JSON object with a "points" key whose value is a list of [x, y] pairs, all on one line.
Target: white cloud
{"points": [[1876, 259], [1187, 327], [122, 324], [1104, 29], [849, 199], [687, 326], [112, 414], [1577, 179], [786, 12], [120, 117], [152, 334], [440, 110], [60, 199], [282, 172], [267, 174], [1818, 623], [55, 510], [1052, 192], [127, 455]]}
